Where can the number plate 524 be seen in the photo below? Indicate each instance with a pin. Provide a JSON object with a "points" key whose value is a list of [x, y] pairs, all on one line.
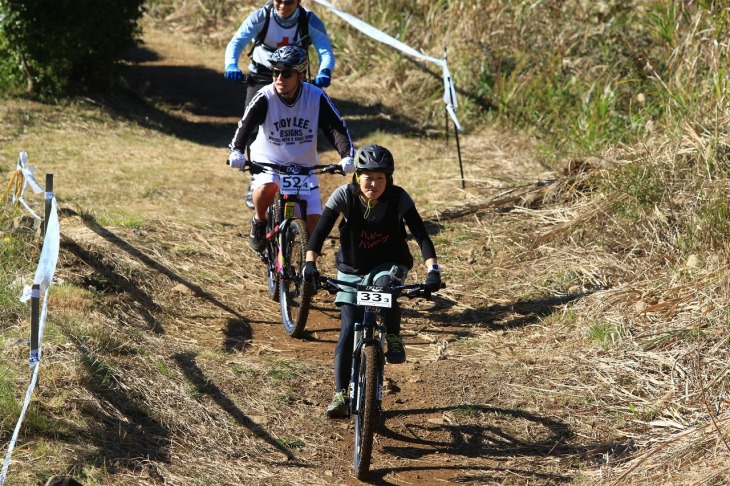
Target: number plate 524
{"points": [[294, 184], [374, 298]]}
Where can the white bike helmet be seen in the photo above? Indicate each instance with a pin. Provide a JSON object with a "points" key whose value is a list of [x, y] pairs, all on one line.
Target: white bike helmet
{"points": [[289, 57]]}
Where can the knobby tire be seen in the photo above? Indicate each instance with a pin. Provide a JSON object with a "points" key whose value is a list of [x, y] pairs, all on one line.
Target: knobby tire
{"points": [[295, 293], [272, 251], [272, 276], [367, 413]]}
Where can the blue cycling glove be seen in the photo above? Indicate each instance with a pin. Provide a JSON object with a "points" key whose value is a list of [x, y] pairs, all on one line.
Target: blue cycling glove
{"points": [[323, 79], [233, 73]]}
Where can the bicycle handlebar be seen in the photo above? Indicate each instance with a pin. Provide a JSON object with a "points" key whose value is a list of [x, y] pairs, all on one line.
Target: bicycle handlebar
{"points": [[411, 291], [293, 169]]}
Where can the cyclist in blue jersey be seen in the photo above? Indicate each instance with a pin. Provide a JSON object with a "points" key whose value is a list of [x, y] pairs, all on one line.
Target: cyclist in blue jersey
{"points": [[278, 23]]}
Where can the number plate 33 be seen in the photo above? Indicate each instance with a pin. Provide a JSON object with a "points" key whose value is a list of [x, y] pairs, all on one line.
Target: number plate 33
{"points": [[374, 298]]}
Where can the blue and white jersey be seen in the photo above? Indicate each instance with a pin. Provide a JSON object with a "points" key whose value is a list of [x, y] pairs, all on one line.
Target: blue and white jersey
{"points": [[281, 32]]}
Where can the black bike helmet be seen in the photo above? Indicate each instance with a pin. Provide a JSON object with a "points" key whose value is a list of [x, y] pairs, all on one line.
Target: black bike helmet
{"points": [[289, 57], [374, 158]]}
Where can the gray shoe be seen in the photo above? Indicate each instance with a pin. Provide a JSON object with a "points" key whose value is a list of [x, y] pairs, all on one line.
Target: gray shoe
{"points": [[396, 353], [338, 407], [249, 197], [257, 237]]}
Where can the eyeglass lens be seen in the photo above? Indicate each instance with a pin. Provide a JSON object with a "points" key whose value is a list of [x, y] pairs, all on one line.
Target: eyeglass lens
{"points": [[284, 74]]}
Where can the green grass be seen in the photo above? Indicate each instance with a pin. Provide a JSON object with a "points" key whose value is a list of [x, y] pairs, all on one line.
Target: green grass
{"points": [[18, 261], [9, 405], [120, 219], [606, 334], [284, 370]]}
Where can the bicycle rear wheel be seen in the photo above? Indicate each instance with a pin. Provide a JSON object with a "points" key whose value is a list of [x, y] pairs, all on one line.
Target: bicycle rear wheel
{"points": [[367, 409], [296, 294]]}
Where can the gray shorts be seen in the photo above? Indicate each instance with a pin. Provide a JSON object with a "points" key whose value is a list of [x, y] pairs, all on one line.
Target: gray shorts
{"points": [[348, 295]]}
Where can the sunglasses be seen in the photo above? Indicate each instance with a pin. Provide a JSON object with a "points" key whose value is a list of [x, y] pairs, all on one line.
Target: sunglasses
{"points": [[285, 2], [284, 74]]}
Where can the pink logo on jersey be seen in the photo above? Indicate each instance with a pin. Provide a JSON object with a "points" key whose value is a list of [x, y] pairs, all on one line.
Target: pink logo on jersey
{"points": [[371, 240]]}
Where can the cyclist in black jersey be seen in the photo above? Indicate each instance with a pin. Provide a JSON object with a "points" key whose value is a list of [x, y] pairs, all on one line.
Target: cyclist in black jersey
{"points": [[372, 239]]}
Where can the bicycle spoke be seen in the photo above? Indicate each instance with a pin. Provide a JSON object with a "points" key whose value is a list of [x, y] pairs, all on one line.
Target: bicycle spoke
{"points": [[295, 294]]}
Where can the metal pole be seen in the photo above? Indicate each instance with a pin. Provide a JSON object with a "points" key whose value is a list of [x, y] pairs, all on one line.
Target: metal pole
{"points": [[456, 129], [48, 201], [35, 314], [458, 151], [446, 127], [446, 114]]}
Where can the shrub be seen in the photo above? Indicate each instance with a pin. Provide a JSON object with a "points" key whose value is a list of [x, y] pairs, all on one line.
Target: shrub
{"points": [[64, 46]]}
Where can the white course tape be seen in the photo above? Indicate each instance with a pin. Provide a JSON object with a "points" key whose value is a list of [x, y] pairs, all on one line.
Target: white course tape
{"points": [[369, 30], [28, 172], [43, 277], [49, 253], [28, 180], [14, 439]]}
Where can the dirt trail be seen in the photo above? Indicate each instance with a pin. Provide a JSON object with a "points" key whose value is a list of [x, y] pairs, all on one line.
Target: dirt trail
{"points": [[451, 415]]}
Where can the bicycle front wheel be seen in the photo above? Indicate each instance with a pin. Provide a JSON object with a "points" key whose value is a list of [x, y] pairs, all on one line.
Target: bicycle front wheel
{"points": [[296, 294], [367, 410], [272, 252], [272, 274]]}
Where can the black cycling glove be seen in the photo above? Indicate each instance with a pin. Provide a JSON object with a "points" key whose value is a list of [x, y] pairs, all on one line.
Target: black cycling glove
{"points": [[310, 272]]}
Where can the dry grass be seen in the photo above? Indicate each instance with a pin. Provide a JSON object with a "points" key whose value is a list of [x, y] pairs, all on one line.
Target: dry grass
{"points": [[582, 337]]}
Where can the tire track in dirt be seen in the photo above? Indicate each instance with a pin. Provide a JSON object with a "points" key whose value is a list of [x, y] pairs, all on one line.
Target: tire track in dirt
{"points": [[439, 422]]}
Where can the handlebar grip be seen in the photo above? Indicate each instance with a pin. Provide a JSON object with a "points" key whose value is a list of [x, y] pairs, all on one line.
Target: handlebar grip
{"points": [[333, 169], [253, 168], [324, 283]]}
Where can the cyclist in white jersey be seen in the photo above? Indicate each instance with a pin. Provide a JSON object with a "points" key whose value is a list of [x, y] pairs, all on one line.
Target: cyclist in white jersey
{"points": [[285, 117], [278, 23]]}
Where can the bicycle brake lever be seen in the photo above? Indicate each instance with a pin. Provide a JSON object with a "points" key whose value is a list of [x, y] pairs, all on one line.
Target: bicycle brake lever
{"points": [[334, 169]]}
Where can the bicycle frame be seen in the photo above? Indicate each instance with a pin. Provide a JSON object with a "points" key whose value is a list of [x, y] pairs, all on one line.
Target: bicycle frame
{"points": [[286, 205], [368, 332], [286, 240], [368, 358]]}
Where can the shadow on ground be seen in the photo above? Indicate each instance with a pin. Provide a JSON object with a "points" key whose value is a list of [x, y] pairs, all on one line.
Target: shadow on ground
{"points": [[107, 279], [476, 441], [160, 94]]}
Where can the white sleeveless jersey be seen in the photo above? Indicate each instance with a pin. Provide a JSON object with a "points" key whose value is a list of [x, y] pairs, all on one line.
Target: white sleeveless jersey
{"points": [[289, 133], [276, 36]]}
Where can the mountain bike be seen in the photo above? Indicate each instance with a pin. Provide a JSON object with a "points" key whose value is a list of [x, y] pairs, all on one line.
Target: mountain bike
{"points": [[287, 237], [368, 358]]}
